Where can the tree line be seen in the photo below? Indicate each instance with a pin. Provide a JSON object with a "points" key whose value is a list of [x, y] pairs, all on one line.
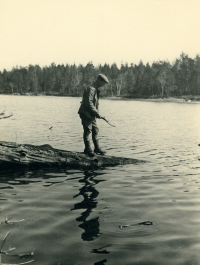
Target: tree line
{"points": [[161, 79]]}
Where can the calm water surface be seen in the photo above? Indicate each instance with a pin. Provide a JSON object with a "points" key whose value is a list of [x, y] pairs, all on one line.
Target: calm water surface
{"points": [[139, 214]]}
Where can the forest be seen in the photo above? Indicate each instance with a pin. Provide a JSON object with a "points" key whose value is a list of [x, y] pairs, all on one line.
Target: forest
{"points": [[161, 79]]}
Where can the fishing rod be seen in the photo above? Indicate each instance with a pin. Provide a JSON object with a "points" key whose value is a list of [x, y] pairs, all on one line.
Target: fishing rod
{"points": [[103, 118]]}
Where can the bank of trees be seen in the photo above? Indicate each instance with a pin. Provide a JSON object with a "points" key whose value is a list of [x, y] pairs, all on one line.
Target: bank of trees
{"points": [[161, 79]]}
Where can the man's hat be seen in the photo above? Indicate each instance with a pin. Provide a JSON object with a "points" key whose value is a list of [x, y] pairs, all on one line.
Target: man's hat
{"points": [[103, 77]]}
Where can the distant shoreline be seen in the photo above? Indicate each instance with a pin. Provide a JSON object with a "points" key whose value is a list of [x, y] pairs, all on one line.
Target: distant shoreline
{"points": [[169, 99], [181, 99]]}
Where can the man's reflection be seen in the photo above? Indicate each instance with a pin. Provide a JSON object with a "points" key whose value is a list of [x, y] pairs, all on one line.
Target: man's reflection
{"points": [[89, 202]]}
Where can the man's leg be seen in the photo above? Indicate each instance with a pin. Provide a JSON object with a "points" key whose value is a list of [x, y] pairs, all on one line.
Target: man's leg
{"points": [[95, 131], [87, 129]]}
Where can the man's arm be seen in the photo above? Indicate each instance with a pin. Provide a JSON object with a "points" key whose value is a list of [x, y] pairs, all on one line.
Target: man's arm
{"points": [[89, 97]]}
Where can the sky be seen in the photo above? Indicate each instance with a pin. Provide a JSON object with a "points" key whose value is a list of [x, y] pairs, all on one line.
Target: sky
{"points": [[102, 31]]}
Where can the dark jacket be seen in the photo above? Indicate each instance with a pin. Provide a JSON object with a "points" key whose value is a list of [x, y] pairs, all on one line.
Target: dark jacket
{"points": [[90, 104]]}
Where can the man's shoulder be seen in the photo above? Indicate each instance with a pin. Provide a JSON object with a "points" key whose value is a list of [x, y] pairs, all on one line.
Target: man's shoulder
{"points": [[91, 88]]}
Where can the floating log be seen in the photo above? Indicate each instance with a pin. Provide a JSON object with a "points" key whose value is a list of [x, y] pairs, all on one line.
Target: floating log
{"points": [[26, 155]]}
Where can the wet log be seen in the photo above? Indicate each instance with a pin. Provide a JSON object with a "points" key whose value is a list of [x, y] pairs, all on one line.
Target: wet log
{"points": [[26, 155]]}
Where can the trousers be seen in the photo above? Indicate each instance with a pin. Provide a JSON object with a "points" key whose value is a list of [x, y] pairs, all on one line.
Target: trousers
{"points": [[88, 128]]}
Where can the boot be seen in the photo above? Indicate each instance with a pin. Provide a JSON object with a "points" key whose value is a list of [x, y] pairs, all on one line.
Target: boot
{"points": [[97, 148], [88, 149]]}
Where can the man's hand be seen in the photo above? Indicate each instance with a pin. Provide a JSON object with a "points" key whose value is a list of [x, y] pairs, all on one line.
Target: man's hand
{"points": [[99, 116]]}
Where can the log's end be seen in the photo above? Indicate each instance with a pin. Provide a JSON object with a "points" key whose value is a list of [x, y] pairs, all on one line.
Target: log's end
{"points": [[9, 144]]}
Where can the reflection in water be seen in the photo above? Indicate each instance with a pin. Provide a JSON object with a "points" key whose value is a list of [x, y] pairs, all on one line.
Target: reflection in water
{"points": [[89, 193], [91, 227]]}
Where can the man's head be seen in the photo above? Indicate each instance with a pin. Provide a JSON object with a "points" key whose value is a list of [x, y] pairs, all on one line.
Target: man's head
{"points": [[101, 81]]}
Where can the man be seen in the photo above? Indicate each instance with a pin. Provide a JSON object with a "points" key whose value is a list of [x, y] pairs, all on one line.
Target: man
{"points": [[88, 113]]}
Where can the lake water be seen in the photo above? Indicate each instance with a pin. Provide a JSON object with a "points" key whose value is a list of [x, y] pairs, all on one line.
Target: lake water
{"points": [[143, 214]]}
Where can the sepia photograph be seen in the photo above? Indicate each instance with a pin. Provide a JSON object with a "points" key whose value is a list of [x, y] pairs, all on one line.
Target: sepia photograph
{"points": [[100, 132]]}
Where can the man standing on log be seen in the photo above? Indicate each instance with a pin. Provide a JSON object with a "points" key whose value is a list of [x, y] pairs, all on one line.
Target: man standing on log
{"points": [[88, 113]]}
